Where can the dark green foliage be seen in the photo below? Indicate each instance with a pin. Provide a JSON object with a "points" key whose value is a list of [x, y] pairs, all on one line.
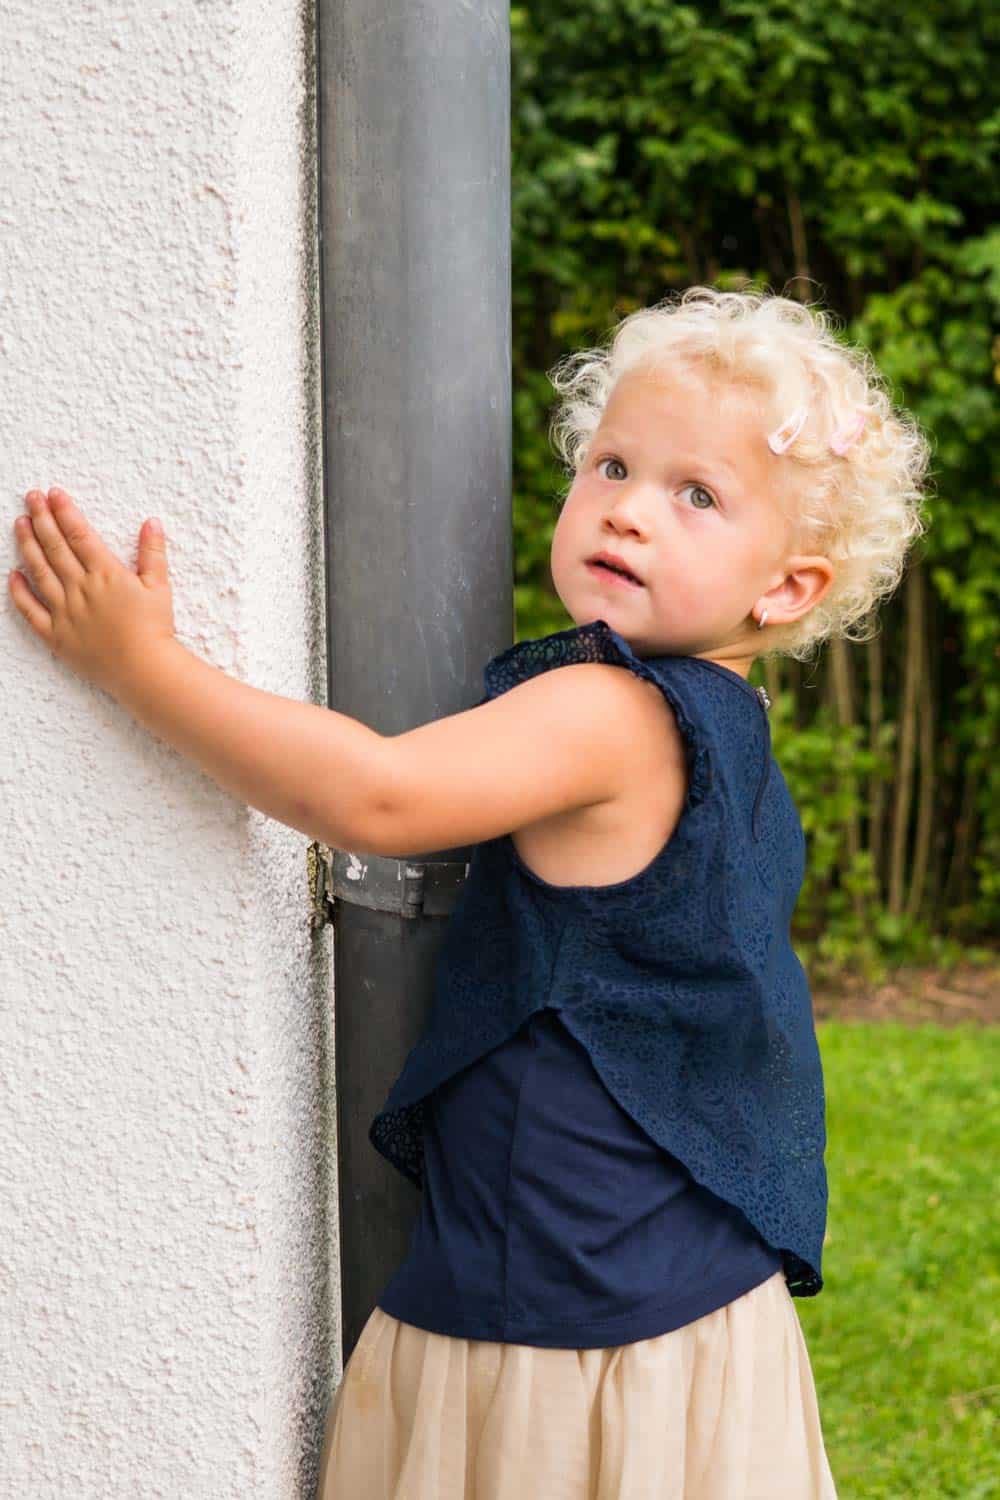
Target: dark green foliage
{"points": [[846, 154]]}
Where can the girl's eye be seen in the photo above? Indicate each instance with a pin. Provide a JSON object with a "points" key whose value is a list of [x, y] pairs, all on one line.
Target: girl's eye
{"points": [[699, 489]]}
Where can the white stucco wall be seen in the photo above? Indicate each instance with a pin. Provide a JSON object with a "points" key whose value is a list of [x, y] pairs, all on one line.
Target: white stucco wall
{"points": [[167, 1179]]}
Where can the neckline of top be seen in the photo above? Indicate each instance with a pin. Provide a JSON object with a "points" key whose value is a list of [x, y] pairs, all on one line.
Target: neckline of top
{"points": [[759, 693]]}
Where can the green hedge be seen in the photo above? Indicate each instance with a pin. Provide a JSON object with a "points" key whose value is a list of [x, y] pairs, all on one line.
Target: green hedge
{"points": [[846, 155]]}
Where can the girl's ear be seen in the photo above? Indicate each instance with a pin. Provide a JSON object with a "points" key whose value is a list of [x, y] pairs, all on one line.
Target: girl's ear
{"points": [[808, 579]]}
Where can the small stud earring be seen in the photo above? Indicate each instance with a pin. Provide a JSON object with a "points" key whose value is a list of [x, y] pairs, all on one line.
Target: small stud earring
{"points": [[760, 622]]}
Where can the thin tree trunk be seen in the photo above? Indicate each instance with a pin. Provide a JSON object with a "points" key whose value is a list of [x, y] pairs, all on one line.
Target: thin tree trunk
{"points": [[769, 249], [843, 698], [907, 744], [961, 858], [800, 246], [690, 252], [795, 675], [877, 784], [944, 772], [966, 890], [925, 790]]}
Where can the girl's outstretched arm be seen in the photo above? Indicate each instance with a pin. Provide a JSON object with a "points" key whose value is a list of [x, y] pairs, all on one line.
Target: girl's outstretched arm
{"points": [[309, 767], [570, 737], [564, 740]]}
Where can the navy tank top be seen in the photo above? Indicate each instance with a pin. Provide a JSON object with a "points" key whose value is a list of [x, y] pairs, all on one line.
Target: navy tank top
{"points": [[549, 1217], [678, 990]]}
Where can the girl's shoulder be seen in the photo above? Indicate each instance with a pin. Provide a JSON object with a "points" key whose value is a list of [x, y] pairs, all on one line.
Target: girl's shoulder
{"points": [[673, 694], [687, 682]]}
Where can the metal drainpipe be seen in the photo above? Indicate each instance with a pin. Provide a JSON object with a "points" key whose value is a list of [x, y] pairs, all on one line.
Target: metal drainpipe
{"points": [[414, 208]]}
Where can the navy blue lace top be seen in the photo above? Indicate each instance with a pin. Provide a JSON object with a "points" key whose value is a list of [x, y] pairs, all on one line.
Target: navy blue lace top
{"points": [[680, 983]]}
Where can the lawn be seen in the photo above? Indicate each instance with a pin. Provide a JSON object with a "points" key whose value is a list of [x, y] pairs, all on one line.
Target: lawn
{"points": [[904, 1338]]}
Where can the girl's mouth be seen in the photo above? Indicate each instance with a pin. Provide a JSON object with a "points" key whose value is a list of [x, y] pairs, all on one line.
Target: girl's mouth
{"points": [[606, 573]]}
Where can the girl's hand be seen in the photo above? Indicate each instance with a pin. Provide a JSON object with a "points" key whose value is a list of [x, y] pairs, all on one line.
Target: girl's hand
{"points": [[94, 613]]}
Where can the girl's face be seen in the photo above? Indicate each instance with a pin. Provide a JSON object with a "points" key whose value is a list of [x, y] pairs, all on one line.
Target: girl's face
{"points": [[679, 482]]}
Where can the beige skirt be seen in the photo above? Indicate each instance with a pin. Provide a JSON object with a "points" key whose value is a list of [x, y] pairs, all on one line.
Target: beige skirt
{"points": [[721, 1409]]}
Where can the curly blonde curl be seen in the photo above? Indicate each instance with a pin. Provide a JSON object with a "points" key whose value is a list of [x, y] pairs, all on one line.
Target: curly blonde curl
{"points": [[862, 510]]}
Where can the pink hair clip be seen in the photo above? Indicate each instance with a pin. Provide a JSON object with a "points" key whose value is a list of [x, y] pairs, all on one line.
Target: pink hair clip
{"points": [[842, 439], [784, 436]]}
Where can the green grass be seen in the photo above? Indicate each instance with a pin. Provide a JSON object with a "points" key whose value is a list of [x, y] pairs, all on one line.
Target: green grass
{"points": [[904, 1338]]}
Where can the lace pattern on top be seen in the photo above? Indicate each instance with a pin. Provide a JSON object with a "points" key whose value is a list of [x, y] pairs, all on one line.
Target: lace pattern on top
{"points": [[681, 981], [598, 642]]}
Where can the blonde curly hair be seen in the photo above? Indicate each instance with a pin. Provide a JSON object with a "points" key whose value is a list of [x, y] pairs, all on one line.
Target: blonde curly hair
{"points": [[861, 510]]}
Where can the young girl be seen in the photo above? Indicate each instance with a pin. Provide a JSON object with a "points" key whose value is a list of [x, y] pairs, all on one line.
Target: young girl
{"points": [[616, 1113]]}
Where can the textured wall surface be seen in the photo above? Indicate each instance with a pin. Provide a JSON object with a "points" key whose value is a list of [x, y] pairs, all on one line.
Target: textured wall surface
{"points": [[165, 1189]]}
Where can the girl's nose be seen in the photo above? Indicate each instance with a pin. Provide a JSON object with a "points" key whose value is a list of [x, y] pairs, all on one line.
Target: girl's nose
{"points": [[632, 507]]}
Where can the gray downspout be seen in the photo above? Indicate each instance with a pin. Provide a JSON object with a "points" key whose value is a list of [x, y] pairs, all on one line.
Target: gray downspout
{"points": [[414, 208]]}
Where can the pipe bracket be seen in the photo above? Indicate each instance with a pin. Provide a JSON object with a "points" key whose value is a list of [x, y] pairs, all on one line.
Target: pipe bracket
{"points": [[409, 888]]}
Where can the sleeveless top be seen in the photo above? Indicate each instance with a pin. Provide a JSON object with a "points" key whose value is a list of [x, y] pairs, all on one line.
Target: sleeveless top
{"points": [[549, 1217], [680, 983]]}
